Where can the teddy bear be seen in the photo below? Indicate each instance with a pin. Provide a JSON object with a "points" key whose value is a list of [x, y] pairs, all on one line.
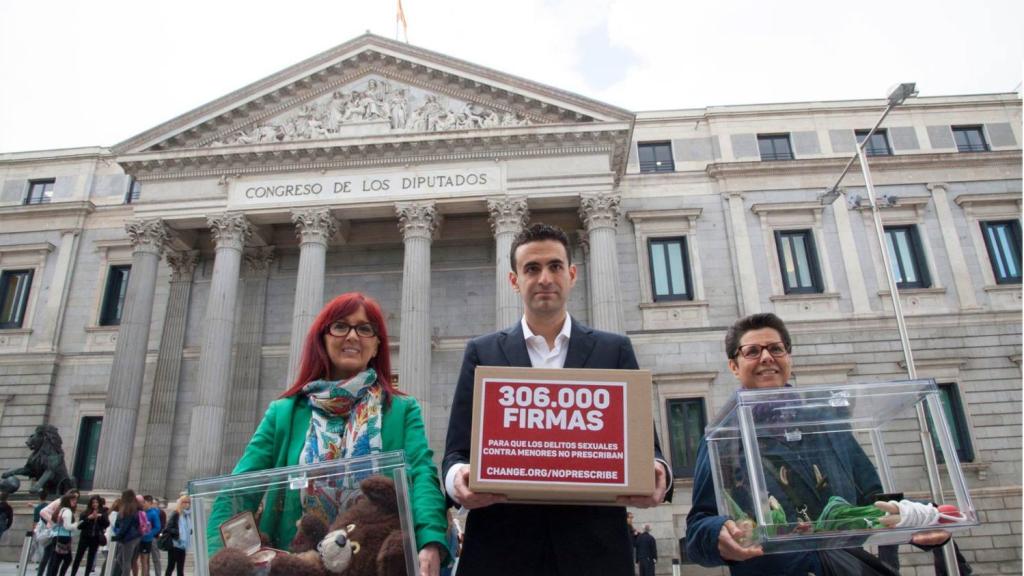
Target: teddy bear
{"points": [[365, 540]]}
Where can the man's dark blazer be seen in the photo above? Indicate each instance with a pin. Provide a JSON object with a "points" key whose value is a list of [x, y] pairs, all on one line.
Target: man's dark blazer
{"points": [[527, 539]]}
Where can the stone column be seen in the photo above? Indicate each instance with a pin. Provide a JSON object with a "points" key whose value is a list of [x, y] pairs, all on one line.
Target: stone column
{"points": [[583, 240], [121, 408], [600, 215], [243, 408], [49, 337], [418, 221], [954, 251], [314, 227], [746, 276], [206, 434], [508, 216], [851, 259], [164, 400]]}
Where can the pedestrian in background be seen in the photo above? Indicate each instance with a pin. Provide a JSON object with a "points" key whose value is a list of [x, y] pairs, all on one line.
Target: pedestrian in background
{"points": [[126, 533], [179, 526], [646, 551], [63, 524], [92, 524]]}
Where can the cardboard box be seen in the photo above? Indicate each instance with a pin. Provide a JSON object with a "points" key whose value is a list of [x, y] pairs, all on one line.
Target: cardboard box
{"points": [[569, 435]]}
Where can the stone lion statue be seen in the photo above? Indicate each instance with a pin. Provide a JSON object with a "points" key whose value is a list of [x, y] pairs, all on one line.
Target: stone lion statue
{"points": [[46, 463]]}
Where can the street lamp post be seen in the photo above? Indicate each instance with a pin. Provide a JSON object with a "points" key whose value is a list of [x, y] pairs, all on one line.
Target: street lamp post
{"points": [[895, 98]]}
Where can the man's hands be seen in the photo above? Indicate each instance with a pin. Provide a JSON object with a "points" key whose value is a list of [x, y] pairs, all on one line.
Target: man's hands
{"points": [[729, 547], [469, 499], [656, 497]]}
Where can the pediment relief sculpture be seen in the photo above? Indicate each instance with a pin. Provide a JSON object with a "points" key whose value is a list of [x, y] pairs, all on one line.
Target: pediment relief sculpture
{"points": [[373, 106]]}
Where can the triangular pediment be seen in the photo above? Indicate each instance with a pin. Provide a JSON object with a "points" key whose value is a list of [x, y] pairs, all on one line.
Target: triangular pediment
{"points": [[372, 87], [372, 106]]}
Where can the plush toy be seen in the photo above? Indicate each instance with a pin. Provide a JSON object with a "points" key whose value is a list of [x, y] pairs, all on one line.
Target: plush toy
{"points": [[312, 528], [231, 562], [366, 539]]}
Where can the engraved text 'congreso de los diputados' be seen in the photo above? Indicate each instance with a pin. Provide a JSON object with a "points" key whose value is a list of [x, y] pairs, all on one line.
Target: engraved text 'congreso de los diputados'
{"points": [[340, 187]]}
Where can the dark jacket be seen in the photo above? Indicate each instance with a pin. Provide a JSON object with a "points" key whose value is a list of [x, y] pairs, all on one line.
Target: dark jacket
{"points": [[516, 539], [92, 529], [646, 547]]}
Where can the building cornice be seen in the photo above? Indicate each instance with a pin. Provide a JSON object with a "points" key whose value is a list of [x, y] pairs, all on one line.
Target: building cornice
{"points": [[52, 209], [979, 101], [382, 151], [725, 170]]}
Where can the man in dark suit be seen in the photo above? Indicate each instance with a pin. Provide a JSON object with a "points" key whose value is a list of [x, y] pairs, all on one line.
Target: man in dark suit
{"points": [[520, 539], [646, 551]]}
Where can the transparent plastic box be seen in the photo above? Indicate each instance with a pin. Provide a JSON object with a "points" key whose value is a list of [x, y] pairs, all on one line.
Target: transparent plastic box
{"points": [[801, 468], [232, 508]]}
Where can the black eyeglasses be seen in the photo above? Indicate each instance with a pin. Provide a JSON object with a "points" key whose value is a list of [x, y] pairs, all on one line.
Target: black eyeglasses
{"points": [[753, 351], [341, 330]]}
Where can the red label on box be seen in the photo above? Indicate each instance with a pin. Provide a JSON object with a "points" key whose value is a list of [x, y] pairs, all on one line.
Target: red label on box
{"points": [[553, 432]]}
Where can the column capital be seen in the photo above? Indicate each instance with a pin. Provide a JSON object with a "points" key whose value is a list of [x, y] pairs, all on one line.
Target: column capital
{"points": [[940, 185], [509, 214], [257, 260], [417, 219], [314, 225], [229, 230], [183, 264], [600, 211], [147, 235]]}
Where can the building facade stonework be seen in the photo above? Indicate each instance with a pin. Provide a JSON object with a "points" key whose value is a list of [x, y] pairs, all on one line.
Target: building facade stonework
{"points": [[154, 291]]}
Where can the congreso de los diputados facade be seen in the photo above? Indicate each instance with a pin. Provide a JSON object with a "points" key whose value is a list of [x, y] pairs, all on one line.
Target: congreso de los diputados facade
{"points": [[154, 294]]}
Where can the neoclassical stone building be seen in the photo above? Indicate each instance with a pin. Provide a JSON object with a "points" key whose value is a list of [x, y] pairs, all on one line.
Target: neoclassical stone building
{"points": [[153, 295]]}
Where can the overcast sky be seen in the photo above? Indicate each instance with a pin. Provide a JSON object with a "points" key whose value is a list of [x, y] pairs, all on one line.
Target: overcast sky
{"points": [[87, 73]]}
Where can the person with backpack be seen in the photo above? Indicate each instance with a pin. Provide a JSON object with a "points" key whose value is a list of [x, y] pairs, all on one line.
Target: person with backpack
{"points": [[63, 522], [149, 527], [127, 533]]}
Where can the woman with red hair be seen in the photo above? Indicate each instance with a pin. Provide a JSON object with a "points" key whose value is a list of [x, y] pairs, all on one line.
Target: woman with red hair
{"points": [[343, 405]]}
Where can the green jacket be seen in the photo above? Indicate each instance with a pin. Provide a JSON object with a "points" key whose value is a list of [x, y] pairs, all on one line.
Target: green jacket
{"points": [[278, 442]]}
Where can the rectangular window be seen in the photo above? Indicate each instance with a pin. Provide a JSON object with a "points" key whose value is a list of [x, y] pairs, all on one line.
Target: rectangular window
{"points": [[878, 145], [655, 157], [953, 410], [134, 192], [40, 191], [670, 269], [1002, 239], [14, 289], [906, 257], [686, 421], [88, 448], [113, 296], [969, 139], [774, 147], [799, 262]]}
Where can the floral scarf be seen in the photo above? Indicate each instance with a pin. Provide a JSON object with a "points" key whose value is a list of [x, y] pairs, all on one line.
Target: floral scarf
{"points": [[345, 423]]}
